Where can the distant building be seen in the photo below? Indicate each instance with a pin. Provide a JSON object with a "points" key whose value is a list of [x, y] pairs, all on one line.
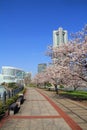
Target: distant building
{"points": [[60, 36], [42, 67], [28, 74], [27, 78], [11, 74]]}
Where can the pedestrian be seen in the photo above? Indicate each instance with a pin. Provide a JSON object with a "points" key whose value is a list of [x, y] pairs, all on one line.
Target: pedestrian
{"points": [[56, 88]]}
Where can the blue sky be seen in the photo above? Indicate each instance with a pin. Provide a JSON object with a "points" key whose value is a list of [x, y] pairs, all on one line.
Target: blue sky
{"points": [[26, 29]]}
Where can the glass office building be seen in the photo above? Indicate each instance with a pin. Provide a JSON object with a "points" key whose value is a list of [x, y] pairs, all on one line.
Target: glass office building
{"points": [[12, 74], [42, 67]]}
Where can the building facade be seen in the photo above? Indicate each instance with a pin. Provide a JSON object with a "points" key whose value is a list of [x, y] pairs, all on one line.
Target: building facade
{"points": [[11, 74], [60, 37], [42, 67]]}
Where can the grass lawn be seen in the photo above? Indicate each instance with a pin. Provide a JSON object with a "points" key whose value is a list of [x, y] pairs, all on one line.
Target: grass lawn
{"points": [[75, 94]]}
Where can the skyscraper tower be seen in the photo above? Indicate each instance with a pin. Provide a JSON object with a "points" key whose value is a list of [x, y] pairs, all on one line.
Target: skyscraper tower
{"points": [[60, 37], [42, 67]]}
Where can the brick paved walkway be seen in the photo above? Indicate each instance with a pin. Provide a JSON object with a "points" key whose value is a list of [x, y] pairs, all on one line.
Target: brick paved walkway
{"points": [[39, 112], [75, 110]]}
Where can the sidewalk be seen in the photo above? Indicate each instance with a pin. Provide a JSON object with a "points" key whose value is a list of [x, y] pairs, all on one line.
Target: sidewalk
{"points": [[39, 112], [74, 109]]}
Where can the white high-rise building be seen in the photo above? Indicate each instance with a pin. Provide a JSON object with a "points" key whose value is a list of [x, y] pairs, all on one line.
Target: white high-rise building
{"points": [[60, 37]]}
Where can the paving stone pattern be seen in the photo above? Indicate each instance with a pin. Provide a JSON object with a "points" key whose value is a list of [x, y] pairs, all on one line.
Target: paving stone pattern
{"points": [[36, 113], [77, 111]]}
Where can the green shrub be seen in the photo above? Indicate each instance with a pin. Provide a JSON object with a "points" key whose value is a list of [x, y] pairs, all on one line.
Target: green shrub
{"points": [[32, 85], [48, 84], [15, 97], [2, 108], [23, 91], [12, 85], [9, 102], [61, 86]]}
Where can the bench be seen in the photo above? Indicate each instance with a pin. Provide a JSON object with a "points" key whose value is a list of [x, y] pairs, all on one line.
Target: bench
{"points": [[20, 99], [14, 107]]}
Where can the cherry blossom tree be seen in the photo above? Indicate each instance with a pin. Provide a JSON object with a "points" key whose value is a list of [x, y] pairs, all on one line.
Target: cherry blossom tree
{"points": [[40, 79], [69, 62], [80, 36]]}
